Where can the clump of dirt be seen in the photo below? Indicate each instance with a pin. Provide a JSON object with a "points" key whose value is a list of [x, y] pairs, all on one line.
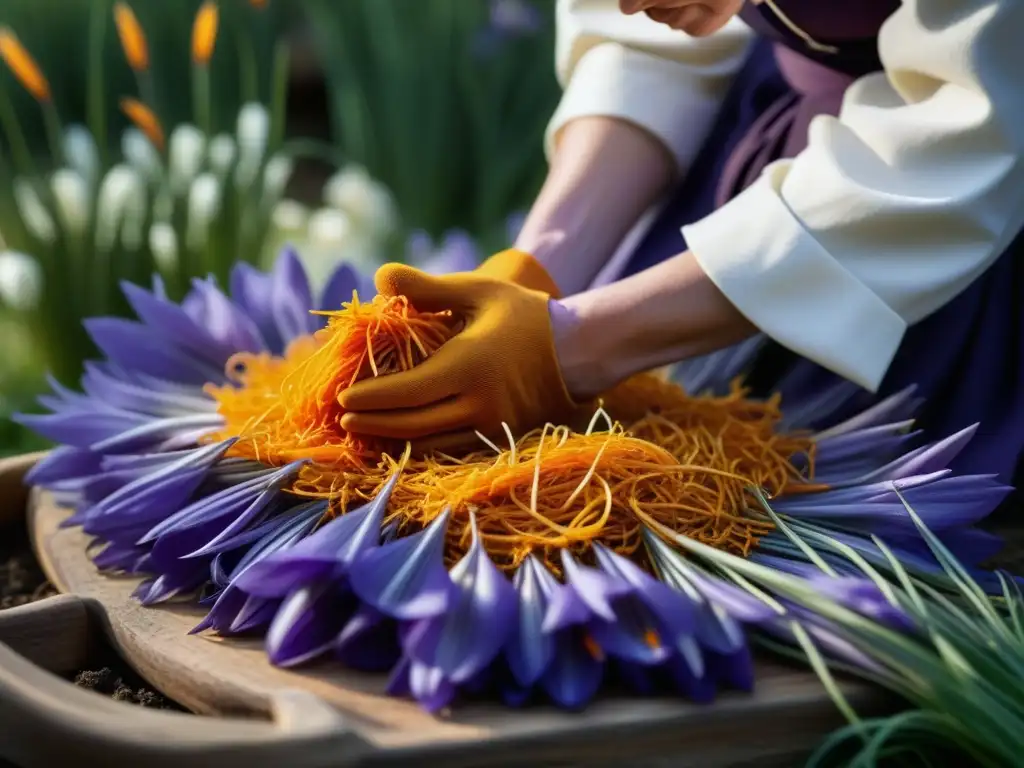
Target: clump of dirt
{"points": [[22, 581], [122, 684]]}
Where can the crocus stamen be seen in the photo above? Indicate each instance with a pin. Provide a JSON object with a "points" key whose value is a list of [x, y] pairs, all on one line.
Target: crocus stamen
{"points": [[23, 66]]}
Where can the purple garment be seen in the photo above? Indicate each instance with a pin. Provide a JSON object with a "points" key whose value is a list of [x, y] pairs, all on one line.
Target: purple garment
{"points": [[966, 359]]}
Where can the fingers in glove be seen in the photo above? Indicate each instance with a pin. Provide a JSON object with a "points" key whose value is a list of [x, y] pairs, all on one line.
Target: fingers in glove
{"points": [[435, 379], [426, 292], [410, 424]]}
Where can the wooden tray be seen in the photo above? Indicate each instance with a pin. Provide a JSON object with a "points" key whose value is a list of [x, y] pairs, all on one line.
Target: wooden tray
{"points": [[327, 715]]}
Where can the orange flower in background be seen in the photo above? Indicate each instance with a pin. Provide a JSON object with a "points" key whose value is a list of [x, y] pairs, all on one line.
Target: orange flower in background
{"points": [[23, 66], [145, 120], [259, 5], [204, 33], [133, 41]]}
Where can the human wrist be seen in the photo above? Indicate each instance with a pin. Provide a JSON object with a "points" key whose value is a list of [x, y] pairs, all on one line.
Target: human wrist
{"points": [[604, 175], [587, 367]]}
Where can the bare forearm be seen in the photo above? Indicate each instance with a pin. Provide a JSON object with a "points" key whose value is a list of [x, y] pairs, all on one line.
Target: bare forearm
{"points": [[605, 174], [665, 314]]}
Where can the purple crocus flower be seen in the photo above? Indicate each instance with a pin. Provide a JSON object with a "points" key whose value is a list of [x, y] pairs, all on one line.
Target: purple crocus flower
{"points": [[450, 649], [233, 610], [279, 302], [515, 18], [457, 252], [310, 582], [162, 503]]}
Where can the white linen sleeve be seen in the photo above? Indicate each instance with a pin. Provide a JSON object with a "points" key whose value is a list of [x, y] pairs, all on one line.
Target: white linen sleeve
{"points": [[893, 208], [634, 69]]}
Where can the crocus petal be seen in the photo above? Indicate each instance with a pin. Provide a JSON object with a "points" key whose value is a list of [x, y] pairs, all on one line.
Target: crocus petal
{"points": [[406, 579], [340, 286], [369, 642], [594, 588], [327, 553], [307, 624], [575, 674], [291, 298], [168, 319], [131, 345], [222, 319], [429, 686], [864, 597], [251, 290], [62, 463], [479, 618], [530, 649]]}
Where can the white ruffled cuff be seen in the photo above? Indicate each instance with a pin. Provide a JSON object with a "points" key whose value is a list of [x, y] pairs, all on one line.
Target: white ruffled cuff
{"points": [[780, 278]]}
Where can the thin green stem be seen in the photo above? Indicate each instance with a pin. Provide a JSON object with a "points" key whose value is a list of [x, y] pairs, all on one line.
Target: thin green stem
{"points": [[201, 105], [54, 132], [279, 94], [20, 153], [96, 102], [248, 68], [147, 88]]}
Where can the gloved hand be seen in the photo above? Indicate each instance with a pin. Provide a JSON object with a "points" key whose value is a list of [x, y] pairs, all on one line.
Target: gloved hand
{"points": [[501, 367], [519, 267]]}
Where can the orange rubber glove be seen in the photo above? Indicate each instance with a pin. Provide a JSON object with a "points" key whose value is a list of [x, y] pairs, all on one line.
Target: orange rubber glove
{"points": [[519, 267], [501, 367]]}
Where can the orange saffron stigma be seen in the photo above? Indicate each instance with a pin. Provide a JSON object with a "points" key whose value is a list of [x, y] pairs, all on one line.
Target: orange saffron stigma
{"points": [[661, 456], [287, 408], [133, 40], [23, 66], [652, 639], [204, 33], [145, 120], [595, 650]]}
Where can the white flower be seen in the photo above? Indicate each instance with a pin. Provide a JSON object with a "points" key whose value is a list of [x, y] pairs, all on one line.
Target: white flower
{"points": [[329, 227], [140, 152], [186, 153], [81, 152], [221, 153], [289, 216], [253, 134], [121, 183], [21, 280], [289, 220], [163, 244], [71, 194], [332, 238], [276, 175], [253, 129], [203, 207], [33, 213], [367, 201]]}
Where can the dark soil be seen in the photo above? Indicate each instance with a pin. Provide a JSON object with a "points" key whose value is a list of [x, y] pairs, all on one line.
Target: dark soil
{"points": [[22, 581], [121, 683]]}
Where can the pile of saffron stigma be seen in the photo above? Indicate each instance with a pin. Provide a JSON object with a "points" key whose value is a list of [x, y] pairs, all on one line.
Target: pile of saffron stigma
{"points": [[646, 452]]}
